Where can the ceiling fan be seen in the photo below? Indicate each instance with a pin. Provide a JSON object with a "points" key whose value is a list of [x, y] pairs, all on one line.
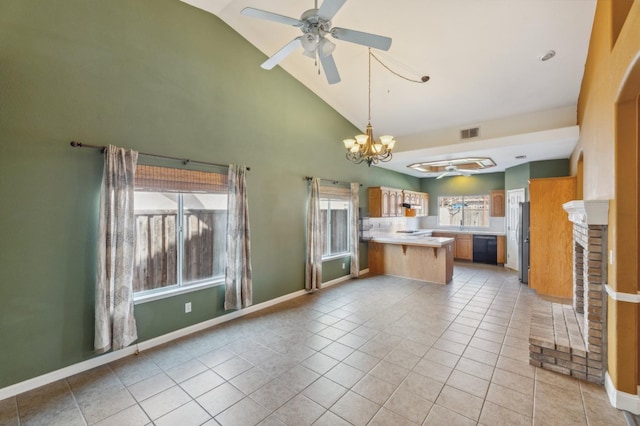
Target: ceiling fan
{"points": [[454, 170], [315, 24]]}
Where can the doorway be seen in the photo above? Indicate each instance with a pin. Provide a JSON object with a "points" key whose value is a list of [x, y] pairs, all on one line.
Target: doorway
{"points": [[625, 357], [514, 198]]}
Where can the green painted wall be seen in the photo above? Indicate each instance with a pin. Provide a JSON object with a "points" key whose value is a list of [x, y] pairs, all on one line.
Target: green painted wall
{"points": [[518, 177], [157, 76], [550, 168], [460, 185]]}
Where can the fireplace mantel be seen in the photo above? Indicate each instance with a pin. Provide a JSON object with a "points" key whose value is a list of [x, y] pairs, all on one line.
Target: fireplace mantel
{"points": [[588, 212]]}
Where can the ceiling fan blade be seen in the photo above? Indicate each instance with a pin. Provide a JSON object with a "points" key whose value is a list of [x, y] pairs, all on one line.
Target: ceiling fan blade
{"points": [[330, 68], [282, 53], [270, 16], [329, 8], [443, 175], [358, 37]]}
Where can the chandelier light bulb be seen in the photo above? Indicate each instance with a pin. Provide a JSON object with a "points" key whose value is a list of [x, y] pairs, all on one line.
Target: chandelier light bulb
{"points": [[386, 139], [348, 143], [361, 139]]}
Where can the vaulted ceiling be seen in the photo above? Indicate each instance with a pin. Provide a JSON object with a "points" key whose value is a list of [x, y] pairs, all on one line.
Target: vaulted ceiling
{"points": [[483, 60]]}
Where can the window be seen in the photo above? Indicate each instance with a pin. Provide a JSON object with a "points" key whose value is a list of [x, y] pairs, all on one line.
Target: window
{"points": [[335, 214], [181, 221], [465, 211]]}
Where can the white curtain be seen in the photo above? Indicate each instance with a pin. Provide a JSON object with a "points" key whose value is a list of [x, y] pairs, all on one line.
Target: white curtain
{"points": [[313, 261], [238, 285], [354, 240], [115, 324]]}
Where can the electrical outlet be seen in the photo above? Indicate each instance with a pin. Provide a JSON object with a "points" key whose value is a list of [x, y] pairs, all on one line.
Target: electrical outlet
{"points": [[344, 265], [187, 307]]}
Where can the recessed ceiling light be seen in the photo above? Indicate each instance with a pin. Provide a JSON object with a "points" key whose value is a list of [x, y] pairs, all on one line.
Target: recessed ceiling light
{"points": [[550, 54]]}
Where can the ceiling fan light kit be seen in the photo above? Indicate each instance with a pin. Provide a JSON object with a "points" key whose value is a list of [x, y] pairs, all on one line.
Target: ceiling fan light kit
{"points": [[456, 166], [315, 24]]}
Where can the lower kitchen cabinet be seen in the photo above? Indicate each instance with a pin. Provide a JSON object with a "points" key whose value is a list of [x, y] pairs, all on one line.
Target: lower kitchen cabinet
{"points": [[464, 246], [447, 235], [502, 247]]}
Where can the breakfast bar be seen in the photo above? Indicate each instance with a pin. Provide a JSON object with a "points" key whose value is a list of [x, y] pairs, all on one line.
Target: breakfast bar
{"points": [[422, 258]]}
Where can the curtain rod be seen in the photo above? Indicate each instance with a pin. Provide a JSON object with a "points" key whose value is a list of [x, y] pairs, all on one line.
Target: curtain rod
{"points": [[333, 181], [185, 161]]}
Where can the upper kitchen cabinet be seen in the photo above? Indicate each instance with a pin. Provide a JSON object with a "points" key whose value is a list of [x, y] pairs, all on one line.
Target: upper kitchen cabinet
{"points": [[419, 202], [551, 236], [385, 202], [497, 203]]}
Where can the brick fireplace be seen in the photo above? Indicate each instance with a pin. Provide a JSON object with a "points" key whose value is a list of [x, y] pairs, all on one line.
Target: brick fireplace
{"points": [[571, 339]]}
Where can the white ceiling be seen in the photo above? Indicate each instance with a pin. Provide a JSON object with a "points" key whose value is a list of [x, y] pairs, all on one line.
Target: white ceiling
{"points": [[482, 57]]}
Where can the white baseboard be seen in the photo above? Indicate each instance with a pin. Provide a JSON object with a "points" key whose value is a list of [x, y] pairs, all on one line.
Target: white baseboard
{"points": [[621, 400], [342, 279], [82, 366]]}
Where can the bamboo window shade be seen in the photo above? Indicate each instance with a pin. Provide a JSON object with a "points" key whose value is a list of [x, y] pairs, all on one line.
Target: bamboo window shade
{"points": [[336, 192], [167, 179]]}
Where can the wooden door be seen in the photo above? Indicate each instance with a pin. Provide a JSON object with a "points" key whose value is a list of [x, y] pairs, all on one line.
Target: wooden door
{"points": [[386, 202], [464, 246], [497, 203], [501, 250], [551, 236], [424, 204], [393, 203], [375, 202]]}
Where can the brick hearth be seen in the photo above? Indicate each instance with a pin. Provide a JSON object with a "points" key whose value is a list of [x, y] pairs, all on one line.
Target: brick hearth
{"points": [[571, 339]]}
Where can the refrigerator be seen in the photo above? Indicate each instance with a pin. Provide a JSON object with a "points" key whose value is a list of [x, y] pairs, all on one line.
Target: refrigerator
{"points": [[523, 242]]}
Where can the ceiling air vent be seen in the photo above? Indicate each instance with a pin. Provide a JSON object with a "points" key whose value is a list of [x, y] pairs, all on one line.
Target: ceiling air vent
{"points": [[474, 132]]}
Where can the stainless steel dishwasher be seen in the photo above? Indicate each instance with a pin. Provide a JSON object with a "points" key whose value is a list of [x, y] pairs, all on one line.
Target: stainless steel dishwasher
{"points": [[485, 249]]}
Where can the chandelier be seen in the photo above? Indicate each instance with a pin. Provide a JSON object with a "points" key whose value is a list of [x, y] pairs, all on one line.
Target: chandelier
{"points": [[365, 147]]}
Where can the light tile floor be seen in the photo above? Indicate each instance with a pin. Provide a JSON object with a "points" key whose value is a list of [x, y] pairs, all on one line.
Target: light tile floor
{"points": [[378, 350]]}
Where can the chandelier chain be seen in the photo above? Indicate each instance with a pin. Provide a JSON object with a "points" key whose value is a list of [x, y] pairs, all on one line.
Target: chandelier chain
{"points": [[370, 54]]}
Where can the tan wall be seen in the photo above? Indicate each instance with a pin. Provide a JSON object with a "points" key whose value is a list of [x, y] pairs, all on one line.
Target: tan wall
{"points": [[613, 64]]}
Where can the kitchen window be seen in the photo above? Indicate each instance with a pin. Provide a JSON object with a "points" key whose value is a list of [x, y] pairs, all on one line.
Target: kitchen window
{"points": [[464, 211], [334, 216], [181, 230]]}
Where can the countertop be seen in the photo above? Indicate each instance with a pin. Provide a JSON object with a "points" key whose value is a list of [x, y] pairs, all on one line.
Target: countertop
{"points": [[416, 240], [467, 231]]}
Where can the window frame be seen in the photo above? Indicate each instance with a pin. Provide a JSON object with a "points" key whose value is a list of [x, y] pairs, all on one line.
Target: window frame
{"points": [[327, 235], [183, 178], [462, 209], [343, 195]]}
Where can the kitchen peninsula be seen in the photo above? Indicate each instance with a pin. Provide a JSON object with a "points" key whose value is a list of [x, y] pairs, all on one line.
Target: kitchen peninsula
{"points": [[422, 258]]}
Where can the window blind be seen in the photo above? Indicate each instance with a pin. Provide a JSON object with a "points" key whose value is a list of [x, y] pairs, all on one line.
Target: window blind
{"points": [[167, 179]]}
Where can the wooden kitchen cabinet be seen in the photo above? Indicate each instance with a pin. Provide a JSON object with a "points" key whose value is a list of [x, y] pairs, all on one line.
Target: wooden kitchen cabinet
{"points": [[497, 203], [464, 246], [395, 203], [551, 236], [446, 235], [385, 202], [502, 254], [419, 200], [424, 203]]}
